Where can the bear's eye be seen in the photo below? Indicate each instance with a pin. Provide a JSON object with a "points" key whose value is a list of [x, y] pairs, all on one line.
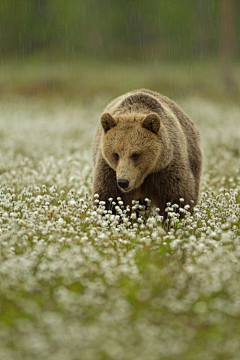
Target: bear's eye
{"points": [[135, 156], [116, 156]]}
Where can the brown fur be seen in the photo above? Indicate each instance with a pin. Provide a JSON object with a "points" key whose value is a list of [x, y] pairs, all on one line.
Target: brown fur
{"points": [[159, 151]]}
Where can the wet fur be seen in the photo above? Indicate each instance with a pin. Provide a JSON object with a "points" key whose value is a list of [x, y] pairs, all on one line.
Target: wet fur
{"points": [[174, 159]]}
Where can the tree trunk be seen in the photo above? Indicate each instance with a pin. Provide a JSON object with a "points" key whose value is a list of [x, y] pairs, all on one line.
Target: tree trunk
{"points": [[227, 30], [201, 28]]}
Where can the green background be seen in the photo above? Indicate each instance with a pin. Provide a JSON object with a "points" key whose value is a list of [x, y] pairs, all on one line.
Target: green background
{"points": [[86, 48]]}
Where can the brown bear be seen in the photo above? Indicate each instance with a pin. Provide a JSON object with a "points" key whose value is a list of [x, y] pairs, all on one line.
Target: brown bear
{"points": [[147, 147]]}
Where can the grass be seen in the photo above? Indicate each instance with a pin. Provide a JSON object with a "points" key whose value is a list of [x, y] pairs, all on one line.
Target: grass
{"points": [[78, 283], [88, 78]]}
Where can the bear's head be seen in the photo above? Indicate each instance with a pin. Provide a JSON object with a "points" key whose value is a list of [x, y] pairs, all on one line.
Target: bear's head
{"points": [[131, 146]]}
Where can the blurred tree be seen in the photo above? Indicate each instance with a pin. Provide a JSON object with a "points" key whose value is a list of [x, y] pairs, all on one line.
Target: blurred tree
{"points": [[202, 45], [227, 42], [14, 25], [120, 29], [202, 27], [24, 26]]}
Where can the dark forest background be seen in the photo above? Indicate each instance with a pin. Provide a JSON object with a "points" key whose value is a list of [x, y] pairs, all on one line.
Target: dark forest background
{"points": [[123, 31]]}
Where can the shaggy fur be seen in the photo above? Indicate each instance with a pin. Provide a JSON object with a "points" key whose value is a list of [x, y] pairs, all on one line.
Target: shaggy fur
{"points": [[146, 147]]}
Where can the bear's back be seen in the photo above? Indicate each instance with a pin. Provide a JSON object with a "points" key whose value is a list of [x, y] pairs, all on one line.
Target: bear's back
{"points": [[144, 100]]}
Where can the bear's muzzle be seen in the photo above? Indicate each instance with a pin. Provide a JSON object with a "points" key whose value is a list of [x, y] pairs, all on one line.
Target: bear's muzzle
{"points": [[123, 183]]}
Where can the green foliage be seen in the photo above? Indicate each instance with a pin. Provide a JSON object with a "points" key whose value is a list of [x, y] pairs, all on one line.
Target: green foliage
{"points": [[117, 29]]}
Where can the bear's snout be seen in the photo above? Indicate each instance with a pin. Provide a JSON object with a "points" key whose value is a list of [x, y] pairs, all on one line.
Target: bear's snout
{"points": [[123, 183]]}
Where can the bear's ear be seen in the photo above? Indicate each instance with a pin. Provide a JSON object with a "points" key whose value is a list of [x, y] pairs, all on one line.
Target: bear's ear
{"points": [[152, 122], [107, 121]]}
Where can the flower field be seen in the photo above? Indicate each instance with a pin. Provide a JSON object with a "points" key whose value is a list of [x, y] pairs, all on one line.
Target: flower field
{"points": [[78, 283]]}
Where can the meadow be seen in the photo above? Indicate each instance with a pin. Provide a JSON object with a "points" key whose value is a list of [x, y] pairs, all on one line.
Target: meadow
{"points": [[77, 282]]}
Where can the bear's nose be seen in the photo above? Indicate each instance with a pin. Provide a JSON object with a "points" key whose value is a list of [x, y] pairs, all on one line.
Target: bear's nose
{"points": [[123, 183]]}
